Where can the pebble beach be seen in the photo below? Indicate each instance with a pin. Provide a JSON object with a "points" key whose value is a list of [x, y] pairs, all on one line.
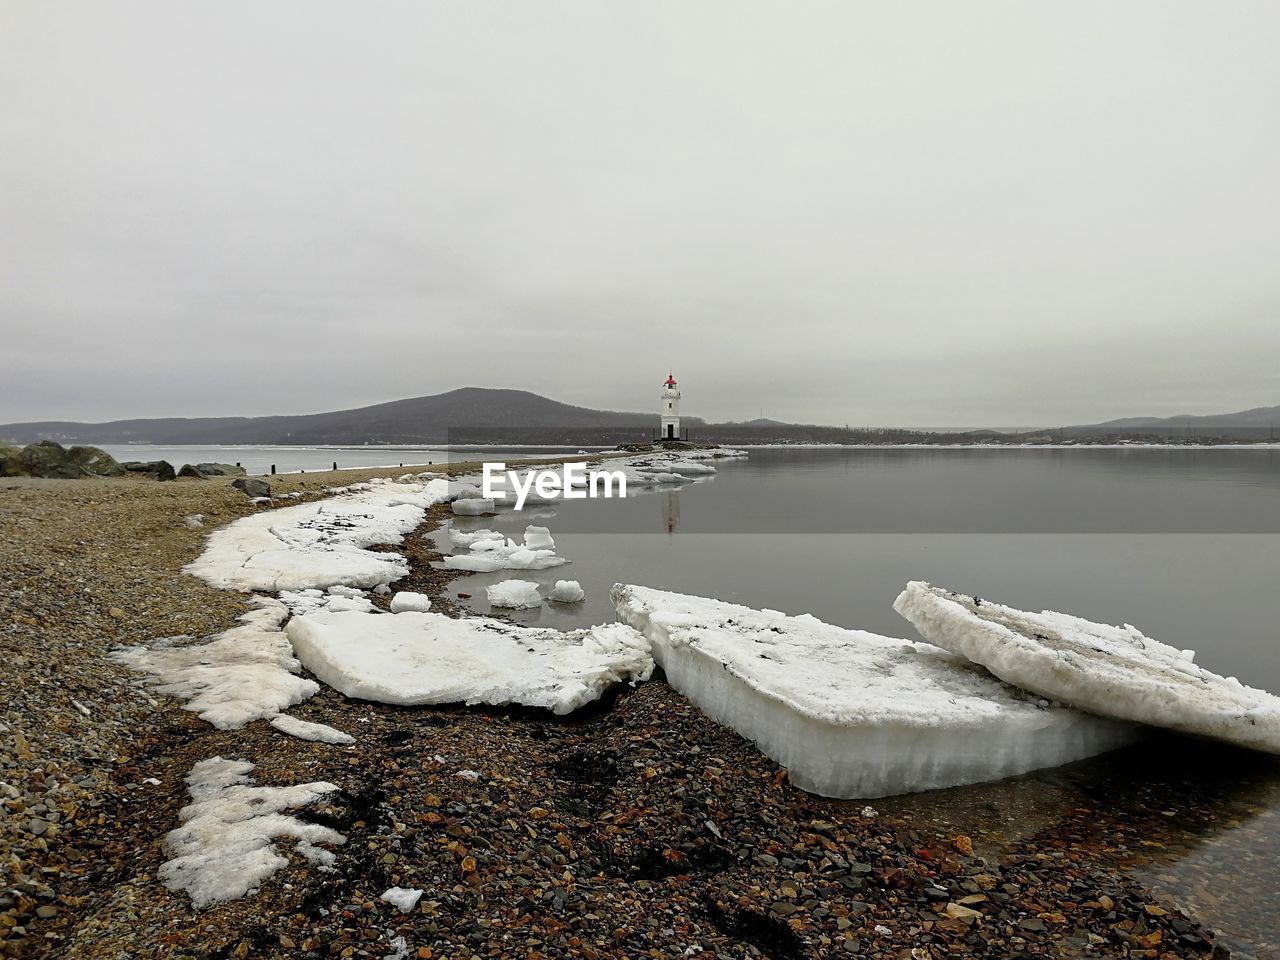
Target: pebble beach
{"points": [[635, 828]]}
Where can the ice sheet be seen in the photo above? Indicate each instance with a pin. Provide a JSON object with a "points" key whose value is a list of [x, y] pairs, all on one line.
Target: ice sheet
{"points": [[850, 713]]}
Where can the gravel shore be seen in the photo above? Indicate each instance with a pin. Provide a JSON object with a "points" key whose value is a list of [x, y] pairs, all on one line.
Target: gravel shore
{"points": [[638, 829]]}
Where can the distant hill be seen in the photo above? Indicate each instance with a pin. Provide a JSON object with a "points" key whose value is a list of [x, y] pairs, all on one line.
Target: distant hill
{"points": [[1250, 424], [483, 415], [467, 415]]}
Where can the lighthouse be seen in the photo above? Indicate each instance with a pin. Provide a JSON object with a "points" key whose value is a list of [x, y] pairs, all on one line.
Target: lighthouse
{"points": [[670, 424]]}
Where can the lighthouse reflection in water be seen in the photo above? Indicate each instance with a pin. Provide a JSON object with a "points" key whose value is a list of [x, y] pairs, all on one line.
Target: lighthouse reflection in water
{"points": [[670, 509]]}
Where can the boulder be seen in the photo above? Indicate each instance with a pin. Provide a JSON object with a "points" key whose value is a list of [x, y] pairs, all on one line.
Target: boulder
{"points": [[53, 460], [252, 487], [8, 455], [211, 470], [157, 469]]}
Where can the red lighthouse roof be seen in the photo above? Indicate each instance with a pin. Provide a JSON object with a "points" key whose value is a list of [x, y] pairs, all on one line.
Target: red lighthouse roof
{"points": [[671, 381]]}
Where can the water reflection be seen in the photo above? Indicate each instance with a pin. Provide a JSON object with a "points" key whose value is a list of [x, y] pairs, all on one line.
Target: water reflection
{"points": [[1195, 821], [671, 509]]}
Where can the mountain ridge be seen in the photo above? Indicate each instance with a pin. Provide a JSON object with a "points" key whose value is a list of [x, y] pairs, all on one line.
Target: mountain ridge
{"points": [[455, 415]]}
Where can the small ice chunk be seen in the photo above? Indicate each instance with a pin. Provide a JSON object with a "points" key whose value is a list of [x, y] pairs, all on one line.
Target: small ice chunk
{"points": [[306, 730], [1112, 671], [406, 600], [402, 898], [225, 847], [461, 490], [514, 594], [538, 538], [567, 591], [360, 603], [338, 590], [473, 506], [465, 538]]}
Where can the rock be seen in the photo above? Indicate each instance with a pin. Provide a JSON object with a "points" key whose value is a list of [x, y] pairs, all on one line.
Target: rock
{"points": [[252, 487], [8, 452], [156, 469], [54, 461], [46, 912], [211, 470]]}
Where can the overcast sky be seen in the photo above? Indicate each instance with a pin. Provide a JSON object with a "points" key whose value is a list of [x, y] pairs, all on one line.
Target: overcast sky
{"points": [[933, 213]]}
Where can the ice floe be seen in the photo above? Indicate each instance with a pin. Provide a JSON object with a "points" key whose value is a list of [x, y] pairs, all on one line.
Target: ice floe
{"points": [[243, 674], [429, 658], [514, 595], [319, 544], [538, 538], [567, 591], [225, 846], [306, 730], [1109, 670], [465, 538], [850, 713], [485, 554], [473, 507]]}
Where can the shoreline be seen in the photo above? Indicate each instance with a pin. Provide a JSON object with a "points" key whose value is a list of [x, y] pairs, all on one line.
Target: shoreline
{"points": [[626, 793]]}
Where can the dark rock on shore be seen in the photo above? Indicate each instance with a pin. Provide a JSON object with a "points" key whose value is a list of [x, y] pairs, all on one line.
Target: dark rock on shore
{"points": [[211, 470], [52, 460], [252, 486], [158, 469]]}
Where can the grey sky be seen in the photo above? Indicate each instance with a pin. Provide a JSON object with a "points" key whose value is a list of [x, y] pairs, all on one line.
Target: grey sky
{"points": [[934, 213]]}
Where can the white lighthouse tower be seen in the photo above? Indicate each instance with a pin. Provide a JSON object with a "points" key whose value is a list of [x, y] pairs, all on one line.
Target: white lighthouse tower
{"points": [[670, 409]]}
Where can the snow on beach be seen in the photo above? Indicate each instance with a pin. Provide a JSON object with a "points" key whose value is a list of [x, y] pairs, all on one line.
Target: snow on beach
{"points": [[225, 846], [1109, 670], [429, 658], [243, 674], [849, 713], [318, 545]]}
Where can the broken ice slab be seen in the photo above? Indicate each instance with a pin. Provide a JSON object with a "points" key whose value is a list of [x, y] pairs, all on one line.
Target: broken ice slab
{"points": [[850, 713], [1109, 670], [428, 658]]}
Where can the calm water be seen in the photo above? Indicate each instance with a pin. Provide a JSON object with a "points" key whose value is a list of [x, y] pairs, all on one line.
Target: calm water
{"points": [[1185, 544], [289, 459]]}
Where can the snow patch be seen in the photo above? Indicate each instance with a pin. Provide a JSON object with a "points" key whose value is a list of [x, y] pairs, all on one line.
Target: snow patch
{"points": [[1109, 670], [850, 713], [225, 846], [243, 674], [428, 658]]}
